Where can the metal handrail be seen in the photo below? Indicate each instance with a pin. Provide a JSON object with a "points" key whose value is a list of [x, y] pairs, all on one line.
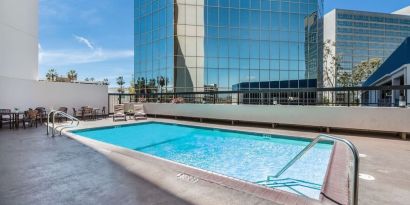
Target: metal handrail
{"points": [[56, 112], [352, 148]]}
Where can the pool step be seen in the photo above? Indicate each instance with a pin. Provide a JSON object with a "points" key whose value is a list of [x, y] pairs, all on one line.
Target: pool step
{"points": [[288, 182]]}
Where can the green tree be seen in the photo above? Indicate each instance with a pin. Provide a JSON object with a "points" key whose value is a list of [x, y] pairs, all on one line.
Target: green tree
{"points": [[140, 85], [72, 75], [162, 81], [344, 79], [52, 75], [363, 70], [120, 82], [152, 87], [87, 79], [106, 82], [92, 79]]}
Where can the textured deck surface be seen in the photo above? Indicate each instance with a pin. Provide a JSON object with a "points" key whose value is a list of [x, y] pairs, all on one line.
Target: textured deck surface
{"points": [[36, 169]]}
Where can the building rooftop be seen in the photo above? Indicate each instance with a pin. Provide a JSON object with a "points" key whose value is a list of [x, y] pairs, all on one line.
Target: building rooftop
{"points": [[398, 58], [403, 11]]}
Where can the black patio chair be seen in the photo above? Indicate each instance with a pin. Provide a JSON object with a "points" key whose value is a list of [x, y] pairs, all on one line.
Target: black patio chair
{"points": [[103, 112]]}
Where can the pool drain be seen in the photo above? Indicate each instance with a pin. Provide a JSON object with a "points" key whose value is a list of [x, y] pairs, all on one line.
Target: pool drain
{"points": [[366, 177]]}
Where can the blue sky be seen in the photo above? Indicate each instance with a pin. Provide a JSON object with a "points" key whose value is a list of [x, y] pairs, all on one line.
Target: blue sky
{"points": [[95, 37]]}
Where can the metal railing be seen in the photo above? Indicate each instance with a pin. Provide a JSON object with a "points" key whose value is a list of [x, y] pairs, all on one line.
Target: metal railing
{"points": [[63, 126], [354, 191], [378, 96]]}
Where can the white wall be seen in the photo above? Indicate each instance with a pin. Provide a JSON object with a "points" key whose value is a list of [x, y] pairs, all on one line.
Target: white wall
{"points": [[329, 25], [363, 118], [24, 94], [19, 39]]}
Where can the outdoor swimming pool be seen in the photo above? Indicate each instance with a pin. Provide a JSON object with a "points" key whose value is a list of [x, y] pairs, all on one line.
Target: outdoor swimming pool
{"points": [[246, 156]]}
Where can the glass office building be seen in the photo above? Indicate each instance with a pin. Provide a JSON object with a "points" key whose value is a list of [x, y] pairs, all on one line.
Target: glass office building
{"points": [[361, 36], [229, 44]]}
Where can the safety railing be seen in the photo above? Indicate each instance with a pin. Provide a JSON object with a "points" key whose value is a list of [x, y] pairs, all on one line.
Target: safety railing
{"points": [[354, 190], [74, 122], [375, 96]]}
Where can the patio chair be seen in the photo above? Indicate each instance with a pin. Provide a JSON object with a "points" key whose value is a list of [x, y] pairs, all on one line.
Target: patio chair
{"points": [[62, 109], [139, 112], [77, 114], [128, 107], [119, 113], [88, 112], [103, 112], [31, 117], [5, 117], [42, 113]]}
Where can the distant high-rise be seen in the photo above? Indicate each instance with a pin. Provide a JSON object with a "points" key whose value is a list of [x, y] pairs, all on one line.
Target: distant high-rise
{"points": [[230, 44], [361, 36]]}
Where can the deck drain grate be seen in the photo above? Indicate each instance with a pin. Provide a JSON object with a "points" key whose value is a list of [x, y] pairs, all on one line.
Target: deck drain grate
{"points": [[187, 178]]}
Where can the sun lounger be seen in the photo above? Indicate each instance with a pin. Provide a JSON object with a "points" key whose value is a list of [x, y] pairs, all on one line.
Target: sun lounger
{"points": [[139, 112], [119, 113]]}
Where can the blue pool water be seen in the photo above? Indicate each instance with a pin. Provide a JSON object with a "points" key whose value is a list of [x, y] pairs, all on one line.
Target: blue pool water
{"points": [[247, 156]]}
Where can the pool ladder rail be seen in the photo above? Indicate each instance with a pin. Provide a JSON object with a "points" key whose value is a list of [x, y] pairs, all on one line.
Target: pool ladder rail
{"points": [[74, 122], [275, 182]]}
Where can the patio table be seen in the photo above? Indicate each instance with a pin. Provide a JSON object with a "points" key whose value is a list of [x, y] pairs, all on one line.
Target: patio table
{"points": [[95, 110], [15, 117]]}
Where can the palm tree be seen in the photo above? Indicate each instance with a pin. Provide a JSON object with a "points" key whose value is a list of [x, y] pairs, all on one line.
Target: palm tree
{"points": [[120, 82], [72, 75], [106, 82], [152, 87], [161, 82], [52, 75]]}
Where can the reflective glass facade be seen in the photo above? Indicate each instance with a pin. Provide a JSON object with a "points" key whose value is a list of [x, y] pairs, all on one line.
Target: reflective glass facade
{"points": [[154, 42], [361, 36], [229, 44]]}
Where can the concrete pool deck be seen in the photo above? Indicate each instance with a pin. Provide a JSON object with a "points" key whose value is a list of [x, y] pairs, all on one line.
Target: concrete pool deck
{"points": [[36, 169], [385, 158]]}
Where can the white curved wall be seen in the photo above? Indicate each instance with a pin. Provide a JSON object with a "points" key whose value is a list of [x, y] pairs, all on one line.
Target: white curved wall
{"points": [[361, 118], [24, 94]]}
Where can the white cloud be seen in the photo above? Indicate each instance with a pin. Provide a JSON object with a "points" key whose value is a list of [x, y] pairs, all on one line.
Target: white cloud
{"points": [[62, 57], [85, 41], [40, 56], [73, 57]]}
